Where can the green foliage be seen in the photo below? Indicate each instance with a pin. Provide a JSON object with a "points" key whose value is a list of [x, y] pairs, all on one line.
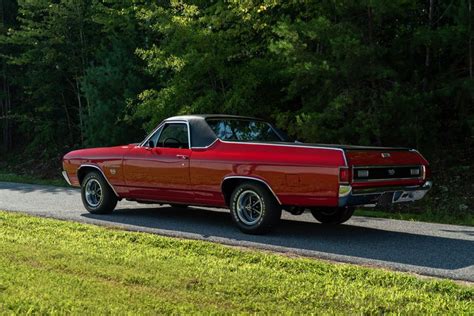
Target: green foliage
{"points": [[378, 72], [74, 71], [50, 55], [369, 72], [210, 60], [114, 79], [365, 73], [57, 267]]}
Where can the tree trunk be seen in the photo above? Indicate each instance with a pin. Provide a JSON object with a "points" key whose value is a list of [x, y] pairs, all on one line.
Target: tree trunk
{"points": [[428, 48], [2, 121], [83, 64], [81, 111], [430, 21], [4, 94], [470, 38], [83, 55], [5, 108], [68, 120], [9, 137], [371, 23]]}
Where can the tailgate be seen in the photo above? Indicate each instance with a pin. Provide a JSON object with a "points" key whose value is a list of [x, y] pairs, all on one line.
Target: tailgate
{"points": [[386, 164]]}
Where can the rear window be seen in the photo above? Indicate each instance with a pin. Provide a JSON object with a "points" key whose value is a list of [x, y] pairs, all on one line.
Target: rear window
{"points": [[243, 130]]}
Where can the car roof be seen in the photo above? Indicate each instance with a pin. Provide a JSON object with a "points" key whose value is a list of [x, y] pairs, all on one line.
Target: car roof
{"points": [[201, 133], [211, 116]]}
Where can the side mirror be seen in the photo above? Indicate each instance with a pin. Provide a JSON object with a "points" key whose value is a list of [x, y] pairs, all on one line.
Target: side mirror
{"points": [[151, 144]]}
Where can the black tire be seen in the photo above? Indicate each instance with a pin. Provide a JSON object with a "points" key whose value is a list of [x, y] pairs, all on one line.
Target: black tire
{"points": [[334, 216], [108, 200], [264, 202], [179, 205]]}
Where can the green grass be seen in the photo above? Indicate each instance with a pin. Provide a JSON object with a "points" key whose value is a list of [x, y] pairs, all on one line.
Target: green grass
{"points": [[55, 267], [7, 176]]}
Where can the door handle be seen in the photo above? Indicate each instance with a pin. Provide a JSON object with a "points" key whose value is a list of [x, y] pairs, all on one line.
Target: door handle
{"points": [[184, 157]]}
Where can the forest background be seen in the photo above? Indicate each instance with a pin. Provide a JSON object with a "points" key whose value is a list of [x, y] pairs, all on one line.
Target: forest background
{"points": [[371, 72]]}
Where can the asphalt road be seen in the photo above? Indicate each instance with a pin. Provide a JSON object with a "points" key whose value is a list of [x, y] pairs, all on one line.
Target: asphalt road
{"points": [[429, 249]]}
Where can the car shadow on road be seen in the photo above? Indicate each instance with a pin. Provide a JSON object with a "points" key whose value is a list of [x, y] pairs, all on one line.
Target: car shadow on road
{"points": [[348, 240]]}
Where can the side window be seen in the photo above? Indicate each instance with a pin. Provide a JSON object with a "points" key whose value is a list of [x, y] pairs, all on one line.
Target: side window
{"points": [[155, 136], [243, 130], [222, 129], [174, 135]]}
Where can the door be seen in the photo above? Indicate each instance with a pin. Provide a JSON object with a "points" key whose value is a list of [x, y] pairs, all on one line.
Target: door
{"points": [[159, 170]]}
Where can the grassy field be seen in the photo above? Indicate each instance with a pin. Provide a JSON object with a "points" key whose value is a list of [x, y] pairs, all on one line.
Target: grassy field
{"points": [[55, 267]]}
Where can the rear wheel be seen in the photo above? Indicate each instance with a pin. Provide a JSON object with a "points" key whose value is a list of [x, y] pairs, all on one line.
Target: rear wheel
{"points": [[254, 209], [336, 215], [97, 196]]}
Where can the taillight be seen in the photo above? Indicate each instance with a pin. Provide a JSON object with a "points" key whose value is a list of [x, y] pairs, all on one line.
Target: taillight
{"points": [[426, 172], [343, 175]]}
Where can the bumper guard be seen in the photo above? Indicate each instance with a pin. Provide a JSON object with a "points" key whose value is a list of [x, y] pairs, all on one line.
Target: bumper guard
{"points": [[66, 177], [373, 196]]}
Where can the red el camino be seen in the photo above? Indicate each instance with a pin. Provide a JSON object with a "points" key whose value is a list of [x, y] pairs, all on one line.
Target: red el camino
{"points": [[247, 165]]}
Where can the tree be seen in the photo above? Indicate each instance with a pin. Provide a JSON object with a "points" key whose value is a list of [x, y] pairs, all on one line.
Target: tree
{"points": [[113, 81], [87, 73], [8, 12], [52, 44]]}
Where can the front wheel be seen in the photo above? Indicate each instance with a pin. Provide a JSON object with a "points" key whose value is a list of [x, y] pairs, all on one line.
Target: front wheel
{"points": [[254, 209], [97, 196], [336, 215]]}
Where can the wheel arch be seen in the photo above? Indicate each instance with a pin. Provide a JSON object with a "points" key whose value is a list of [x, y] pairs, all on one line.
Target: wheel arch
{"points": [[229, 184], [84, 169]]}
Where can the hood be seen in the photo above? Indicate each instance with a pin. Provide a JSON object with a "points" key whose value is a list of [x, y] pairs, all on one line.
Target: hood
{"points": [[99, 152]]}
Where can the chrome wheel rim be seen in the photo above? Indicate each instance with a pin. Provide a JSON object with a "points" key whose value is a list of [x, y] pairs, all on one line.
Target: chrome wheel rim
{"points": [[249, 207], [93, 193]]}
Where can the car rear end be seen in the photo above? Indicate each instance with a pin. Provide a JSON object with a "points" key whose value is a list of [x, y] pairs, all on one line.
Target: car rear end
{"points": [[382, 176]]}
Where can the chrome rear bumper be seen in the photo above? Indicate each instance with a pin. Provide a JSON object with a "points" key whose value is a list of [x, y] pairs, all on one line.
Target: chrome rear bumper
{"points": [[373, 196]]}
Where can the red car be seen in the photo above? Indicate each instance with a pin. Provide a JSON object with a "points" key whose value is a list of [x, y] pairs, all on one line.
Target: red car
{"points": [[249, 166]]}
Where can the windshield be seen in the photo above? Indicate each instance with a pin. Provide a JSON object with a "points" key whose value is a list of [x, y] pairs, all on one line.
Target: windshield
{"points": [[244, 130]]}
